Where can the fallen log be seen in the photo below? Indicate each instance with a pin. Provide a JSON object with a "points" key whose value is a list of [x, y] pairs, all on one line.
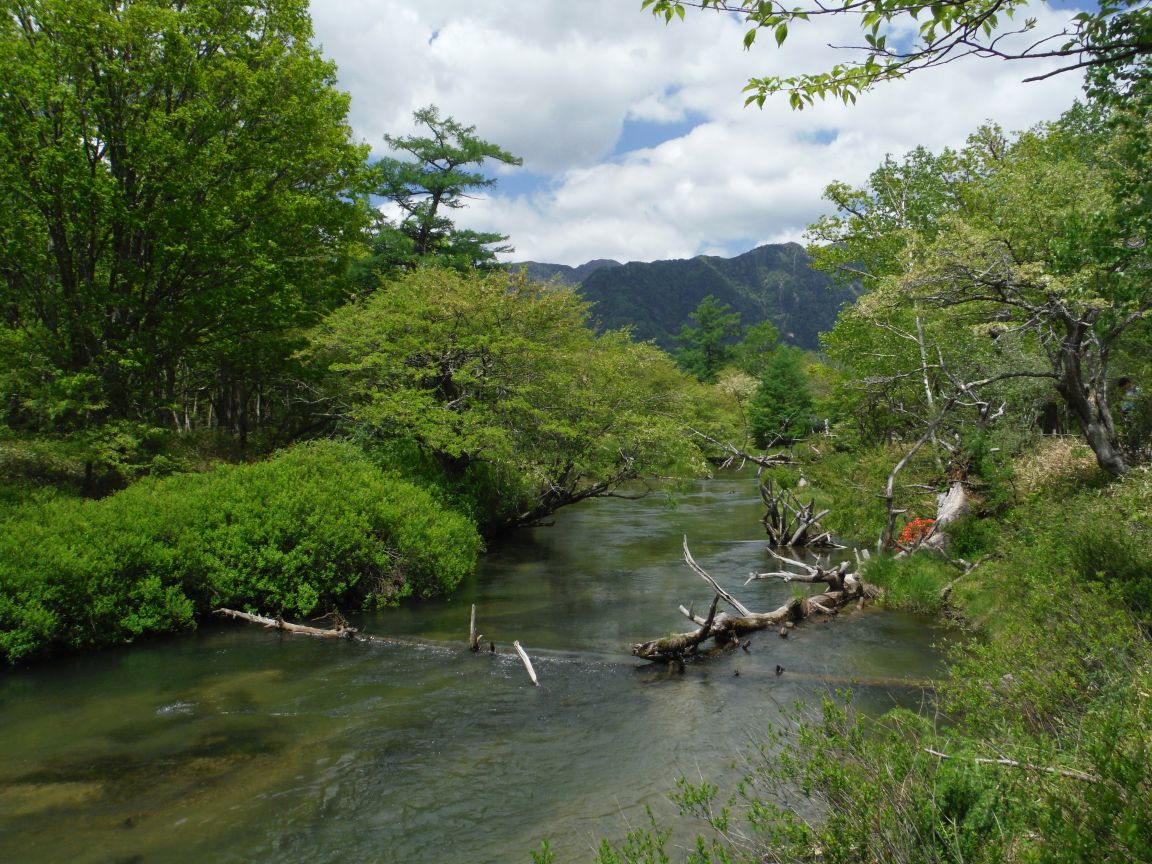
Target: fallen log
{"points": [[673, 648], [280, 624], [726, 628]]}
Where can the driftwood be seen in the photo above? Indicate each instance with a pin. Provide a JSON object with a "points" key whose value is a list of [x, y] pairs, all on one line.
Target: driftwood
{"points": [[527, 663], [725, 628], [739, 455], [811, 573], [280, 624], [789, 522]]}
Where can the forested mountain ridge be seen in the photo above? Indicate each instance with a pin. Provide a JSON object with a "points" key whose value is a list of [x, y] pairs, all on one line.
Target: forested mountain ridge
{"points": [[773, 282], [563, 273]]}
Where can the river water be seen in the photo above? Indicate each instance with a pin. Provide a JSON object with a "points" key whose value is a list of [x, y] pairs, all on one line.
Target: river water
{"points": [[235, 744]]}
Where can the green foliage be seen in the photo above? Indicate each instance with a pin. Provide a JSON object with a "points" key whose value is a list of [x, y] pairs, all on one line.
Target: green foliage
{"points": [[992, 468], [641, 846], [316, 527], [178, 181], [868, 235], [1011, 279], [781, 408], [1108, 40], [707, 341], [1104, 543], [912, 583], [436, 174], [754, 351], [970, 537], [499, 382]]}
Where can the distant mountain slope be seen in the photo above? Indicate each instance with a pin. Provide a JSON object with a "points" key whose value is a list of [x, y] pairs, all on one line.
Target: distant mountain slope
{"points": [[563, 273], [771, 282]]}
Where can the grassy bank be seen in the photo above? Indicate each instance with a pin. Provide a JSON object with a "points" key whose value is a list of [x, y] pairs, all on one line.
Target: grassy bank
{"points": [[1037, 747]]}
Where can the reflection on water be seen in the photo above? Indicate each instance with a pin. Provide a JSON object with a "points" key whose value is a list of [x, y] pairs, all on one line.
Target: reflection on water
{"points": [[239, 745]]}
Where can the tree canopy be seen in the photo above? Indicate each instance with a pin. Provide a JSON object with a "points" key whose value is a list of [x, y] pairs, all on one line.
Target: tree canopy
{"points": [[177, 181], [1023, 263], [434, 175], [502, 384], [1113, 37]]}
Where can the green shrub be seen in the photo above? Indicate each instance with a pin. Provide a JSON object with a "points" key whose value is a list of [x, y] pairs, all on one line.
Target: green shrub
{"points": [[970, 537], [1100, 549], [315, 527], [912, 583]]}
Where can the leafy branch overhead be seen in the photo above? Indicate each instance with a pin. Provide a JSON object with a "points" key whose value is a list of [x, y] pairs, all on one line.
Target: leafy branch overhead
{"points": [[1116, 34]]}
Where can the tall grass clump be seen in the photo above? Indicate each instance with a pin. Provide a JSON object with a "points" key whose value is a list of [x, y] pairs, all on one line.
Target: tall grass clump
{"points": [[315, 527]]}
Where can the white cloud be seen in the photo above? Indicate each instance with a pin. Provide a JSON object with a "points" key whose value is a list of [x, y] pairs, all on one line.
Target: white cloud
{"points": [[555, 84]]}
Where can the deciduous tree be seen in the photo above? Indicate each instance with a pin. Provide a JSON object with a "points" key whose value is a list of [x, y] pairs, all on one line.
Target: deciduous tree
{"points": [[176, 181], [499, 381], [1040, 272]]}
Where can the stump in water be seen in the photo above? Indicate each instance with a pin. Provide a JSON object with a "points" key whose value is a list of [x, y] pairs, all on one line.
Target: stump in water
{"points": [[789, 522]]}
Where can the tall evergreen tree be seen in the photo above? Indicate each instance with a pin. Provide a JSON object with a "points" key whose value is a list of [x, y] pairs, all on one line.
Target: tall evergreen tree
{"points": [[435, 175], [708, 340], [781, 408]]}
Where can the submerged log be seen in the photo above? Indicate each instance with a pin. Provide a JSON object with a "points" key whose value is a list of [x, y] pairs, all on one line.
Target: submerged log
{"points": [[725, 628], [673, 648]]}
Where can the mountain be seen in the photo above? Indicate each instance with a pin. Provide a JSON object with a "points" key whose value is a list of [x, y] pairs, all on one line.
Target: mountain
{"points": [[773, 283], [562, 273]]}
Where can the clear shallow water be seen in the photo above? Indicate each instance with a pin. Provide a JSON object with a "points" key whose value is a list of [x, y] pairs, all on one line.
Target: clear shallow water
{"points": [[236, 745]]}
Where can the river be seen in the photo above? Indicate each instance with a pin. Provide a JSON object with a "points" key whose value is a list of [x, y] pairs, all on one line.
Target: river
{"points": [[234, 744]]}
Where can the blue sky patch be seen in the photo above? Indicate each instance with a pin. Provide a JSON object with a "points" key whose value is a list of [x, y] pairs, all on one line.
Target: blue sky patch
{"points": [[818, 136], [642, 134], [519, 183]]}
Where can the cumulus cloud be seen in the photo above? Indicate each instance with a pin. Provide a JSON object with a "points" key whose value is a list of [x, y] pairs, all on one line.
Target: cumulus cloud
{"points": [[557, 84]]}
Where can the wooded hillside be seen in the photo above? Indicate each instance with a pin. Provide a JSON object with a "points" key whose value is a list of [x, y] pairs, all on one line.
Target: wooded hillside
{"points": [[770, 283]]}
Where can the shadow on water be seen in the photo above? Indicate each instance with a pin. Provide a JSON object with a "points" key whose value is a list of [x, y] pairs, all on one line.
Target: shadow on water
{"points": [[235, 744]]}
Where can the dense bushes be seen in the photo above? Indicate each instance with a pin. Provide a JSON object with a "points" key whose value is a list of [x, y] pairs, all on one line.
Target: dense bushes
{"points": [[317, 526]]}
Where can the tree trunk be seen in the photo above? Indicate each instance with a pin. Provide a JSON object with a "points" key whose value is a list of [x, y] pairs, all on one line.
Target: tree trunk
{"points": [[1088, 404]]}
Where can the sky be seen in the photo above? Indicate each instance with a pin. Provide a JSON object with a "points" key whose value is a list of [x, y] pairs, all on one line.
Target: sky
{"points": [[634, 135]]}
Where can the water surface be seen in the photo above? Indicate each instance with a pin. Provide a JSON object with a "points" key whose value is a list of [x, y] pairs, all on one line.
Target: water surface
{"points": [[235, 744]]}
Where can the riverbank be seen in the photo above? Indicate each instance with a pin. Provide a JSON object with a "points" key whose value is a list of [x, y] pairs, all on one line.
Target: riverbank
{"points": [[318, 526], [1037, 746]]}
